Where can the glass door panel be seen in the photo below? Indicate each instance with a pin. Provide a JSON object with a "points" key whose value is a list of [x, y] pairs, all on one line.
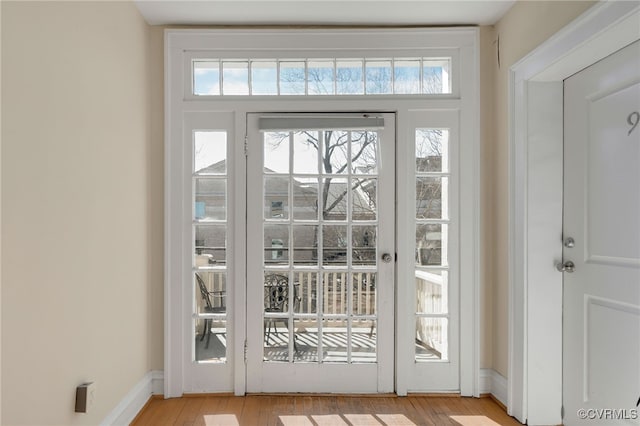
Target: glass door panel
{"points": [[314, 267], [210, 245], [430, 201], [431, 289], [207, 273]]}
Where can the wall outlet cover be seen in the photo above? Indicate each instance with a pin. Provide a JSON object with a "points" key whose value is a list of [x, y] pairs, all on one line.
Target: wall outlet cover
{"points": [[85, 397]]}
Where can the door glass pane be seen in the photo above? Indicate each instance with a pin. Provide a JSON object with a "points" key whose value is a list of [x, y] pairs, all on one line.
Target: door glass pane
{"points": [[306, 292], [364, 199], [264, 78], [334, 243], [363, 243], [432, 197], [276, 152], [305, 244], [432, 150], [276, 244], [431, 244], [363, 291], [305, 153], [210, 325], [334, 340], [276, 325], [210, 152], [334, 199], [364, 158], [210, 340], [276, 292], [292, 78], [306, 340], [210, 245], [320, 78], [363, 341], [334, 291], [436, 76], [206, 78], [432, 289], [406, 76], [210, 199], [305, 198], [335, 145], [378, 77], [235, 78], [276, 339], [211, 292], [431, 339], [349, 77], [276, 197]]}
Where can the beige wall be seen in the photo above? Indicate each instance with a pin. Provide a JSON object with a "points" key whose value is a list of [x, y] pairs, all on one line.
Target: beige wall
{"points": [[524, 27], [82, 206], [156, 186]]}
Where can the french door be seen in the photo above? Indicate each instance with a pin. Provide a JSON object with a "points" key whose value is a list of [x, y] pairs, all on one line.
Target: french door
{"points": [[320, 253]]}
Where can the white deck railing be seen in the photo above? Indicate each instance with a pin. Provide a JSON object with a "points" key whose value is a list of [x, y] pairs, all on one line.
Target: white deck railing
{"points": [[431, 298], [334, 296]]}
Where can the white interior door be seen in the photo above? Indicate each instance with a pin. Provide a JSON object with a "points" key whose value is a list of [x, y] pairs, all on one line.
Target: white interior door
{"points": [[601, 332], [320, 253]]}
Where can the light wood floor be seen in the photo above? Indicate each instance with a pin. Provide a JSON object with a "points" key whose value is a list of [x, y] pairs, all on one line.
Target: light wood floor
{"points": [[306, 410]]}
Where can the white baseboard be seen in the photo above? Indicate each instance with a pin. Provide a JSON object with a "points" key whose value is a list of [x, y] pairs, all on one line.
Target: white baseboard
{"points": [[494, 383], [151, 384]]}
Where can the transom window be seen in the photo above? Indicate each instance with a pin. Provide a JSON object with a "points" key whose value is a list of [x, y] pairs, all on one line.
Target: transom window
{"points": [[329, 76]]}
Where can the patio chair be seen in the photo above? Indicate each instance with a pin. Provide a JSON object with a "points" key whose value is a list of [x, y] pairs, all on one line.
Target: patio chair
{"points": [[276, 299], [214, 303]]}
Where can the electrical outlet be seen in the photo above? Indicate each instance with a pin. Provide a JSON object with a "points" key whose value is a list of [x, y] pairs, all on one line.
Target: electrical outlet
{"points": [[85, 397]]}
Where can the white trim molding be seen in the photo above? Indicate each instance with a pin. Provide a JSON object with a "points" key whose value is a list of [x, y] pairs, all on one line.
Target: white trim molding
{"points": [[494, 383], [128, 408], [535, 202]]}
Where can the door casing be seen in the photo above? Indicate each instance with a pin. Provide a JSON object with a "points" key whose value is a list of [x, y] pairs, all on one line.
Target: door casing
{"points": [[534, 394], [180, 46]]}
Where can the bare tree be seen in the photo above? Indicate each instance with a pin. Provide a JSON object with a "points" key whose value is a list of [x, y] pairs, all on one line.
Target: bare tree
{"points": [[338, 150]]}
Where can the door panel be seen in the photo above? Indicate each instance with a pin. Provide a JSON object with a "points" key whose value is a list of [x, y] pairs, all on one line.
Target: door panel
{"points": [[320, 292], [428, 224], [601, 330], [207, 284]]}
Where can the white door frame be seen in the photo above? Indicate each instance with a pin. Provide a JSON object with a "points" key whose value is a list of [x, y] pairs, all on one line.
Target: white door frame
{"points": [[180, 100], [535, 202]]}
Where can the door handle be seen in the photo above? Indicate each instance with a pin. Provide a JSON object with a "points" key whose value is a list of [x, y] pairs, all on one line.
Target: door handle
{"points": [[567, 266], [386, 258]]}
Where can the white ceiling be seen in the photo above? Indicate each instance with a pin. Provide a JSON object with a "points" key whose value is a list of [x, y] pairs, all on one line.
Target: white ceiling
{"points": [[323, 12]]}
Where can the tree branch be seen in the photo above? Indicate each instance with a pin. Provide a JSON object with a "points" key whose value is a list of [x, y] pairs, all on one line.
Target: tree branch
{"points": [[341, 196]]}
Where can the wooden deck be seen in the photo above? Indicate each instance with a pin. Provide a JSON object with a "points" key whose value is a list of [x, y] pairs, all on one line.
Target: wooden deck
{"points": [[323, 410]]}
